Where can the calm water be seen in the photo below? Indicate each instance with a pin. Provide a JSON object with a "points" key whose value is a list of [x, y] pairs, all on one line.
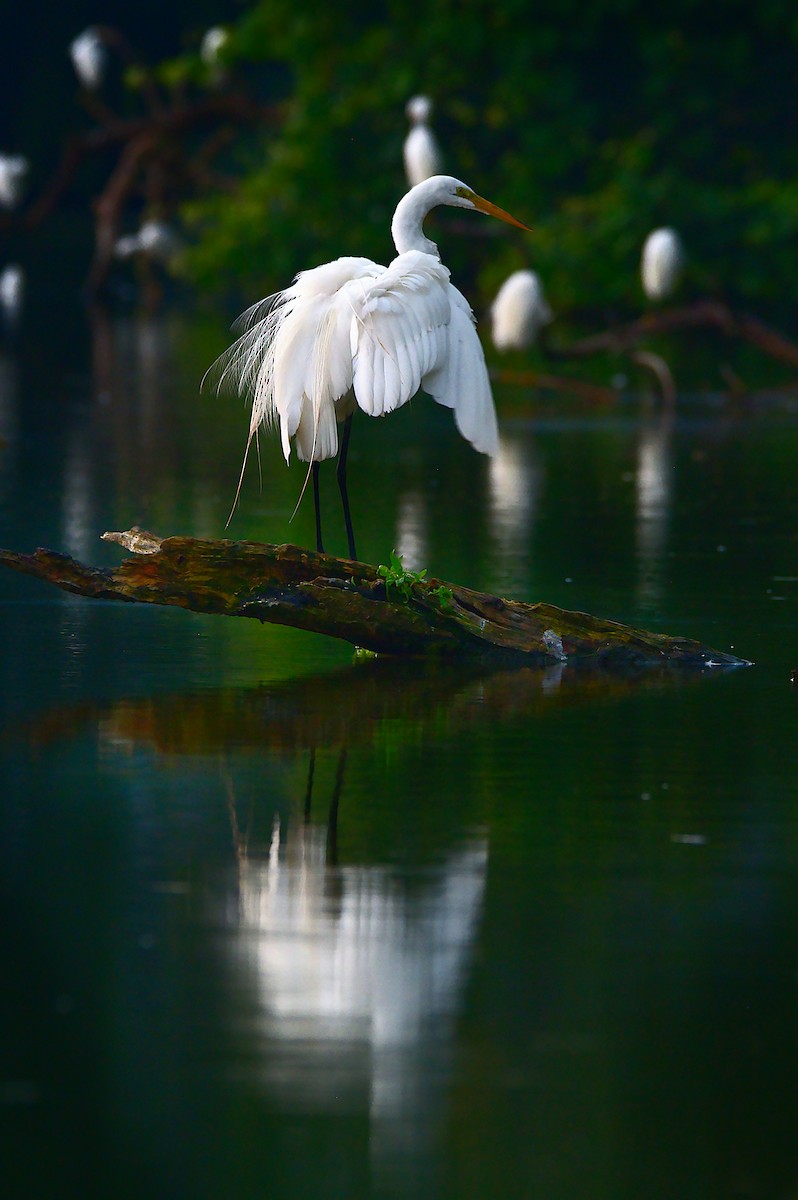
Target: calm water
{"points": [[282, 924]]}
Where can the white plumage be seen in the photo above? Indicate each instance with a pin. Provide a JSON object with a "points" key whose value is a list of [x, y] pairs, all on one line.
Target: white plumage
{"points": [[89, 58], [422, 154], [212, 43], [155, 239], [13, 170], [519, 311], [354, 333], [662, 263], [12, 294]]}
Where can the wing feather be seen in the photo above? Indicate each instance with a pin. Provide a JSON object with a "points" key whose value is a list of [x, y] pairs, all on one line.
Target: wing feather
{"points": [[460, 379], [399, 331], [294, 357]]}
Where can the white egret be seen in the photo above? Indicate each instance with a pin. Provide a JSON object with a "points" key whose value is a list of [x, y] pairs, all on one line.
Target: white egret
{"points": [[89, 58], [155, 240], [422, 154], [13, 170], [662, 263], [519, 311], [353, 333], [212, 43], [12, 294]]}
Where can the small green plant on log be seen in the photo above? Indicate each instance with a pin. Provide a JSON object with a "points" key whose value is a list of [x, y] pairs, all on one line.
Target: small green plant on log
{"points": [[398, 579]]}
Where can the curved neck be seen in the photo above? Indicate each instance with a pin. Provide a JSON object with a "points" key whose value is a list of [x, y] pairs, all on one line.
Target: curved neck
{"points": [[406, 227]]}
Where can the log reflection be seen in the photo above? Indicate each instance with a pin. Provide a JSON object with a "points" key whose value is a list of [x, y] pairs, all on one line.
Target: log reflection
{"points": [[348, 707]]}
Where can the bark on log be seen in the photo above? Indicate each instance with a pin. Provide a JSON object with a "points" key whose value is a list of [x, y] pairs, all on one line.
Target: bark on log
{"points": [[287, 585]]}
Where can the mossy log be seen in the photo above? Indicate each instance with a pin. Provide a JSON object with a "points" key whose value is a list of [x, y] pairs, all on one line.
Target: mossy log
{"points": [[287, 585]]}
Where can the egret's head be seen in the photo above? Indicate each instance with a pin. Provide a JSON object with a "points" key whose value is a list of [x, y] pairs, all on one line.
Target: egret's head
{"points": [[419, 109], [421, 199], [460, 195]]}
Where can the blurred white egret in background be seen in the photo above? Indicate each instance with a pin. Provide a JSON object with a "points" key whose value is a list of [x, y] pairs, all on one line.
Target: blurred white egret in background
{"points": [[421, 151], [353, 332], [156, 240], [519, 311], [12, 294], [13, 170], [662, 263], [212, 43], [89, 58]]}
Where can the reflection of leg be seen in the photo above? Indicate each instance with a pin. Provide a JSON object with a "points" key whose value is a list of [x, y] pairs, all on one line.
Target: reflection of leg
{"points": [[309, 791], [315, 473], [342, 484], [332, 819], [239, 839]]}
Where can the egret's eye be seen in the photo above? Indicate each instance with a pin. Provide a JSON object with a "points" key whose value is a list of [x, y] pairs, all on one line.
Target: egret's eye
{"points": [[463, 192]]}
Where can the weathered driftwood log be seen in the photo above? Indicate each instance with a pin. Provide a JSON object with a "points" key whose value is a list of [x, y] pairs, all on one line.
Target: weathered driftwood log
{"points": [[287, 585]]}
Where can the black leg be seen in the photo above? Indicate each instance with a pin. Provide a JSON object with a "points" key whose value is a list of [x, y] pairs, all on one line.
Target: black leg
{"points": [[309, 789], [332, 817], [319, 543], [342, 484]]}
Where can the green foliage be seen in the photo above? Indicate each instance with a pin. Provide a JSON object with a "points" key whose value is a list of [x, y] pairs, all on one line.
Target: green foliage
{"points": [[592, 122], [444, 594], [399, 581]]}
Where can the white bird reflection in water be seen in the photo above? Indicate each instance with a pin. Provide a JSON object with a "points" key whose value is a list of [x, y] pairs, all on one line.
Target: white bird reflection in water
{"points": [[411, 532], [654, 484], [79, 521], [359, 978], [514, 482]]}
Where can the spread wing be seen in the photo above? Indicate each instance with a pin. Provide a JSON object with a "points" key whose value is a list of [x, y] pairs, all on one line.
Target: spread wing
{"points": [[398, 331], [294, 357], [460, 379], [383, 332]]}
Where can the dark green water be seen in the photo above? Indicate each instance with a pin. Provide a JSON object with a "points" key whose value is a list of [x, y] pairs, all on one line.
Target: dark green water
{"points": [[282, 924]]}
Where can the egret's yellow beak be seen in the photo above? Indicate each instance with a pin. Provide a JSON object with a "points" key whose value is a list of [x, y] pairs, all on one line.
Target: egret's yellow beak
{"points": [[493, 210]]}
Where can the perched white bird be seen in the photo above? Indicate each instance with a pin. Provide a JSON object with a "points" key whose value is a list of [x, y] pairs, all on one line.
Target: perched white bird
{"points": [[89, 58], [662, 263], [13, 170], [155, 239], [519, 311], [212, 43], [421, 151], [352, 332], [12, 294]]}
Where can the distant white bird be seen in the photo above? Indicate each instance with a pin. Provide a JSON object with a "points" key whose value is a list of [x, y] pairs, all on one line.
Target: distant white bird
{"points": [[13, 171], [662, 263], [519, 311], [352, 332], [422, 154], [12, 294], [155, 239], [212, 43], [89, 58]]}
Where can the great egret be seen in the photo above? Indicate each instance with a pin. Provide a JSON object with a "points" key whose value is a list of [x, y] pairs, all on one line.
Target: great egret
{"points": [[155, 240], [12, 292], [212, 43], [519, 311], [352, 332], [421, 151], [662, 263], [13, 170], [89, 58]]}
